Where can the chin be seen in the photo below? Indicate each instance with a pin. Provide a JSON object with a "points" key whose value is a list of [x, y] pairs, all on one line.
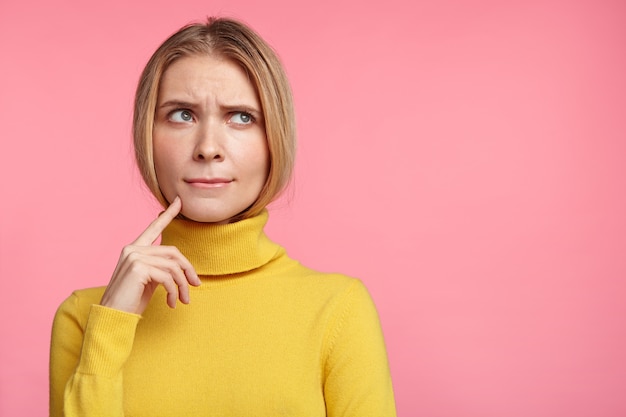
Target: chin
{"points": [[215, 215], [205, 217]]}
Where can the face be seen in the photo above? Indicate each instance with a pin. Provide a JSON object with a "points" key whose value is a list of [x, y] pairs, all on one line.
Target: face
{"points": [[209, 138]]}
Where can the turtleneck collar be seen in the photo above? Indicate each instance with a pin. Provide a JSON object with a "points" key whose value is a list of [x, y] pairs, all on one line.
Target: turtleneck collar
{"points": [[222, 249]]}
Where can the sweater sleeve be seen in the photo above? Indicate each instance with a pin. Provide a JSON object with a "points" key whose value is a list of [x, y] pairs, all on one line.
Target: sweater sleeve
{"points": [[357, 378], [90, 345]]}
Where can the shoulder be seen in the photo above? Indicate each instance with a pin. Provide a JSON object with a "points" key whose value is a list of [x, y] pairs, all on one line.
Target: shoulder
{"points": [[342, 293], [344, 287], [316, 282], [332, 292], [86, 296], [353, 299], [78, 304]]}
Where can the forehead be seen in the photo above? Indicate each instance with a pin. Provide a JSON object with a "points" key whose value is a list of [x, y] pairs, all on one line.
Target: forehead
{"points": [[203, 76]]}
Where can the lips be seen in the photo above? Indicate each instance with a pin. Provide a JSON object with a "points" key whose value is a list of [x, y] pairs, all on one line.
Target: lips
{"points": [[208, 182]]}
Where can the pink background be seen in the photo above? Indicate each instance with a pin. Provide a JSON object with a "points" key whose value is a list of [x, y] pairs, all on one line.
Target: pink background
{"points": [[465, 159]]}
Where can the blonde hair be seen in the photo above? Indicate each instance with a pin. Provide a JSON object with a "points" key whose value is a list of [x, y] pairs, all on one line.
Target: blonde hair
{"points": [[235, 41]]}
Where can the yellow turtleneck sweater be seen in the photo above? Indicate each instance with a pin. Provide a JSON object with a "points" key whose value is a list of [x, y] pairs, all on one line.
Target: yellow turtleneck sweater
{"points": [[262, 336]]}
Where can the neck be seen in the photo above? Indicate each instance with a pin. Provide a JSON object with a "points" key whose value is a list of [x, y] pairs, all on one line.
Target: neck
{"points": [[220, 249]]}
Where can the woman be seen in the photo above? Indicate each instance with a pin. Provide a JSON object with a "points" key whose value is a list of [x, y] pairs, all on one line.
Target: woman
{"points": [[258, 333]]}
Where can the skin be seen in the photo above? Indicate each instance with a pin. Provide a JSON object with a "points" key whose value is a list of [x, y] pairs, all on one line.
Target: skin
{"points": [[143, 266], [211, 160], [209, 138]]}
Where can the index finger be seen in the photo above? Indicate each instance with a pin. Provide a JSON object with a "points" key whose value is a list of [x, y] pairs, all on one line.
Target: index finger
{"points": [[154, 230]]}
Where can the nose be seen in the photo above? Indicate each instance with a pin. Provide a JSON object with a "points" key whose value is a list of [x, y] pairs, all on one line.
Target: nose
{"points": [[209, 144]]}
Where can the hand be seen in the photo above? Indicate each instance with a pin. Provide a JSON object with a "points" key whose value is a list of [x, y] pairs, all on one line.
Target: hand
{"points": [[143, 266]]}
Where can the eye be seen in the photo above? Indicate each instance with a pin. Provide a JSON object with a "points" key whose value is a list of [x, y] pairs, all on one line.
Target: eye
{"points": [[181, 116], [241, 118]]}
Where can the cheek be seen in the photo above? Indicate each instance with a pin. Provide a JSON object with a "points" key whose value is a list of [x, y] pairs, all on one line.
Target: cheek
{"points": [[260, 164], [164, 160], [252, 158]]}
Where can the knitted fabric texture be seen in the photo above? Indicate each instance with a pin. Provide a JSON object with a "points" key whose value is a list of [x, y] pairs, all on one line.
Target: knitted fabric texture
{"points": [[262, 336]]}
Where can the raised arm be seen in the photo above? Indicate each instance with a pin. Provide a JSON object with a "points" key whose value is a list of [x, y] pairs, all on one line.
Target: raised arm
{"points": [[91, 342]]}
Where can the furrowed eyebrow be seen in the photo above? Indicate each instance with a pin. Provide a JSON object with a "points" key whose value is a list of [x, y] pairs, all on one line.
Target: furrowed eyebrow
{"points": [[176, 103], [248, 109], [257, 113]]}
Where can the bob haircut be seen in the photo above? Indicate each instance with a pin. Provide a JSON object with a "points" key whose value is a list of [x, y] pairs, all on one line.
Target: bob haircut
{"points": [[237, 42]]}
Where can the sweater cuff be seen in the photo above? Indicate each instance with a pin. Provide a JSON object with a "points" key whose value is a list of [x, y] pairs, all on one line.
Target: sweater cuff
{"points": [[108, 341]]}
